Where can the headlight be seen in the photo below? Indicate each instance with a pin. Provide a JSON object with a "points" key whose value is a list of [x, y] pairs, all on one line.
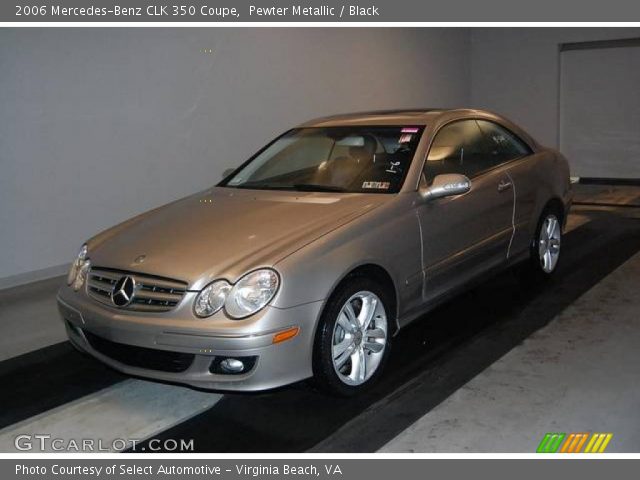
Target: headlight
{"points": [[82, 275], [76, 266], [251, 293], [211, 298]]}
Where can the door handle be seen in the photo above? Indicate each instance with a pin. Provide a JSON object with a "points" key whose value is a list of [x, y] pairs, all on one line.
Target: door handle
{"points": [[504, 185]]}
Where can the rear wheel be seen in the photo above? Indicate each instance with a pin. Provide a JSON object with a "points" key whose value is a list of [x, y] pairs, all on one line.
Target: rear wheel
{"points": [[545, 247], [352, 343]]}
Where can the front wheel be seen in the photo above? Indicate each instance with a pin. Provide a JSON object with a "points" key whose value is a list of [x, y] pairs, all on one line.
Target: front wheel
{"points": [[352, 343]]}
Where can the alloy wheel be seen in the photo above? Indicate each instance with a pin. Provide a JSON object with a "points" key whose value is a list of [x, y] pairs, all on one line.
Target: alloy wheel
{"points": [[549, 243], [359, 338]]}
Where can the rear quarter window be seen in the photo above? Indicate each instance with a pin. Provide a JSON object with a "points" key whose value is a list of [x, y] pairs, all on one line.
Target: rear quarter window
{"points": [[503, 145]]}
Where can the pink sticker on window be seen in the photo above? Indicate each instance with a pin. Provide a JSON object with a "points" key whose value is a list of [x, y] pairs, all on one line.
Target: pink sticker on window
{"points": [[409, 130]]}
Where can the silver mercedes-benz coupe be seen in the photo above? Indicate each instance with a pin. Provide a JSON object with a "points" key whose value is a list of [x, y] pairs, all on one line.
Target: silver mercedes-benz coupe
{"points": [[306, 260]]}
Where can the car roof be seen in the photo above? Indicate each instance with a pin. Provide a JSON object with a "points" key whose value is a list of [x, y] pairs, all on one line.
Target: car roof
{"points": [[418, 116], [412, 116]]}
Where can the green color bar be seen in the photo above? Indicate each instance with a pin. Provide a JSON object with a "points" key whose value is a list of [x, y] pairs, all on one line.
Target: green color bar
{"points": [[550, 443], [558, 441], [543, 443]]}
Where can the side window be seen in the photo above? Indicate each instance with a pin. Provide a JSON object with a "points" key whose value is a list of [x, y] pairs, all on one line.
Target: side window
{"points": [[503, 145], [459, 147]]}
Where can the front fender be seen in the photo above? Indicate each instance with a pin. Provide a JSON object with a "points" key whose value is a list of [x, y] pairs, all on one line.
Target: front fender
{"points": [[388, 237]]}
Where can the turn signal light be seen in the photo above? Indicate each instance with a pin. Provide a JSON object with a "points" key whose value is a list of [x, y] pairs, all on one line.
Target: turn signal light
{"points": [[285, 335]]}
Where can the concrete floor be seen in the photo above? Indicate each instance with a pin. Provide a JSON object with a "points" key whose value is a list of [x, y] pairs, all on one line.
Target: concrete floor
{"points": [[29, 317], [581, 373], [132, 409]]}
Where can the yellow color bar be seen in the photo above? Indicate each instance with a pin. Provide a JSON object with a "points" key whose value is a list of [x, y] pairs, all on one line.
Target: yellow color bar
{"points": [[596, 445], [607, 439], [598, 442], [591, 442]]}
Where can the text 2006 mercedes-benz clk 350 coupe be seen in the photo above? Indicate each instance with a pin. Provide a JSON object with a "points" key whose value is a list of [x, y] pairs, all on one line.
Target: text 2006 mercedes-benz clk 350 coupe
{"points": [[308, 258]]}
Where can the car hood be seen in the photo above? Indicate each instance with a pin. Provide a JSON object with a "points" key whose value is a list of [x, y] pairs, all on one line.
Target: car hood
{"points": [[225, 232]]}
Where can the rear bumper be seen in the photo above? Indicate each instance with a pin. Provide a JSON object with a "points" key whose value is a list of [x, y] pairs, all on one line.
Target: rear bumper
{"points": [[568, 202], [121, 339]]}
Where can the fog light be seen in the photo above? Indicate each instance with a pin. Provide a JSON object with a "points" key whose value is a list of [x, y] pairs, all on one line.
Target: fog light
{"points": [[232, 365]]}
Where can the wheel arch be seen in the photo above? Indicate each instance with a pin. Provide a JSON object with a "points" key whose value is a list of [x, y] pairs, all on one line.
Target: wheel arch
{"points": [[379, 274], [556, 204], [553, 202]]}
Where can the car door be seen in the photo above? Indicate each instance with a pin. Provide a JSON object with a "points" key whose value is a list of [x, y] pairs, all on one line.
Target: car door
{"points": [[505, 147], [467, 234]]}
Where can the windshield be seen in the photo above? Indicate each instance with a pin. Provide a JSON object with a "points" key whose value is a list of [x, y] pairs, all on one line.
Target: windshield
{"points": [[360, 159]]}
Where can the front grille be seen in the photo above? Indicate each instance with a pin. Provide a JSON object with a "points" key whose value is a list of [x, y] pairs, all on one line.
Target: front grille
{"points": [[141, 357], [151, 294]]}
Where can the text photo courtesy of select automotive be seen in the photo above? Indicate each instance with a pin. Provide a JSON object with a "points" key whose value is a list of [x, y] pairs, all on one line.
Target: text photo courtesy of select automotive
{"points": [[320, 240]]}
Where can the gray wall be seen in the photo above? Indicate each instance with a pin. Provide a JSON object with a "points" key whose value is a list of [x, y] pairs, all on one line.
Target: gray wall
{"points": [[97, 125], [515, 71]]}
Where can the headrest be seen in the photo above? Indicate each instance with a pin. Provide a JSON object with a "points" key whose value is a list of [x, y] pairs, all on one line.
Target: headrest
{"points": [[366, 151]]}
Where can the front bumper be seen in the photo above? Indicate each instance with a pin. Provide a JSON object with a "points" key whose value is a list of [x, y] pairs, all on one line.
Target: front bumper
{"points": [[275, 364]]}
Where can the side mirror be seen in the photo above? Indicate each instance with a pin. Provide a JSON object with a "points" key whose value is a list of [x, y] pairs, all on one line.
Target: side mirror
{"points": [[227, 172], [445, 186]]}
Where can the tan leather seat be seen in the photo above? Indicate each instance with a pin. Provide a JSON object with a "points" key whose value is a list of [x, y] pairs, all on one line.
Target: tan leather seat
{"points": [[344, 170]]}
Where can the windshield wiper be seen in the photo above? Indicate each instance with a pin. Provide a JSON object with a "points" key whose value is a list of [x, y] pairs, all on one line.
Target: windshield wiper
{"points": [[300, 187], [264, 186], [312, 187]]}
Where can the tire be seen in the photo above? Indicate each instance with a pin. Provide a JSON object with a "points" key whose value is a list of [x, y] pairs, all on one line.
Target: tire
{"points": [[545, 249], [343, 343]]}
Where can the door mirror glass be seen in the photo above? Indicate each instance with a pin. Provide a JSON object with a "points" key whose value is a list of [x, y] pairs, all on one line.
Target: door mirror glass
{"points": [[227, 172], [446, 185]]}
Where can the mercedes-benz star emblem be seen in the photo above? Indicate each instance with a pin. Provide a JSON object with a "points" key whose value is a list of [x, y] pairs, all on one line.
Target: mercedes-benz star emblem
{"points": [[123, 290]]}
